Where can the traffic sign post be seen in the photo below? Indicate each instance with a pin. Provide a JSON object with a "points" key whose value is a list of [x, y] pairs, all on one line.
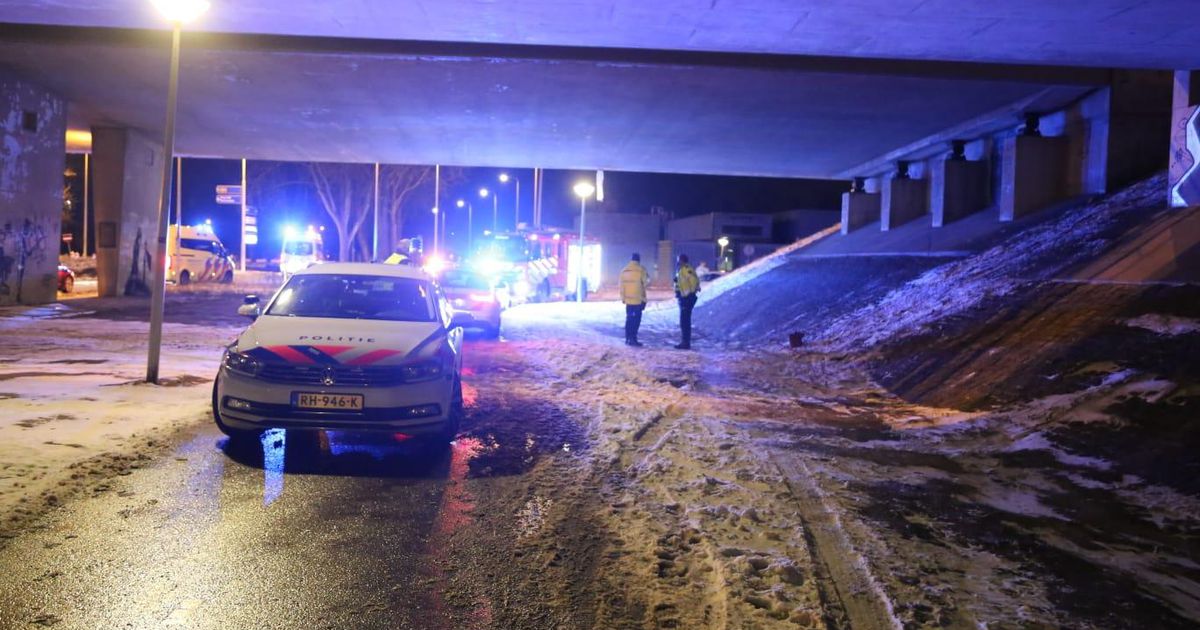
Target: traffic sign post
{"points": [[229, 194]]}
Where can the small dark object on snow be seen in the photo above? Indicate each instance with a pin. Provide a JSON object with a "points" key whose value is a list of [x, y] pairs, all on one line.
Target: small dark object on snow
{"points": [[796, 339]]}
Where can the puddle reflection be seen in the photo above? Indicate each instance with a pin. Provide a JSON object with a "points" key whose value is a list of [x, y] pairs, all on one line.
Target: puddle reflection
{"points": [[274, 446]]}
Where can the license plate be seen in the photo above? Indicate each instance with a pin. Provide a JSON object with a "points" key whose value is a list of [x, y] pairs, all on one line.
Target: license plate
{"points": [[344, 402]]}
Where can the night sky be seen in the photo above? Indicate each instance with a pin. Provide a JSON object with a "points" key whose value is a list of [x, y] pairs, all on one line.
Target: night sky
{"points": [[290, 200]]}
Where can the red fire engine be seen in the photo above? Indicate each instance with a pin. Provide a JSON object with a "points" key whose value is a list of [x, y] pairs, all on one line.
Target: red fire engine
{"points": [[539, 265]]}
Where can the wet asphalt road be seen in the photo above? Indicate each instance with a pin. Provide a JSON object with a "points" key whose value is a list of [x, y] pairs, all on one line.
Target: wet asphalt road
{"points": [[327, 531], [341, 532]]}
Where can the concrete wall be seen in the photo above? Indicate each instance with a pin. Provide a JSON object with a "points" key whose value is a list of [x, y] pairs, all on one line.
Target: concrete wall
{"points": [[1184, 171], [1033, 175], [620, 235], [957, 188], [126, 179], [32, 157], [715, 224], [859, 209], [903, 200], [793, 225], [1139, 131]]}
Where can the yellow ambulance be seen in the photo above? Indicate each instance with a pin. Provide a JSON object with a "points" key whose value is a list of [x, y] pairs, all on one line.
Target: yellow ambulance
{"points": [[195, 254]]}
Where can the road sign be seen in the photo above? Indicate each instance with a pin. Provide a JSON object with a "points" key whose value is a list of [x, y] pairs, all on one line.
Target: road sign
{"points": [[230, 200], [229, 189]]}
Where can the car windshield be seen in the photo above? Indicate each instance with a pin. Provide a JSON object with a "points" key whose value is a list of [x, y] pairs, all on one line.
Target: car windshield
{"points": [[355, 297], [298, 248], [464, 279]]}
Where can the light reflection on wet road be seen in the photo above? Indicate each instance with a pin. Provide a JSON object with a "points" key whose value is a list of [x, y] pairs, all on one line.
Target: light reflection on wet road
{"points": [[339, 531]]}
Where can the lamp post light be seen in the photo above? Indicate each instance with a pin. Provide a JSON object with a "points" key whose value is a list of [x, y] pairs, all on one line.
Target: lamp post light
{"points": [[483, 192], [504, 177], [178, 13], [436, 229], [583, 190], [723, 242], [470, 211]]}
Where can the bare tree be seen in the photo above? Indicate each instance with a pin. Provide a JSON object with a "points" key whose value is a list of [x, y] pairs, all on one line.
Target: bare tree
{"points": [[345, 192], [401, 187]]}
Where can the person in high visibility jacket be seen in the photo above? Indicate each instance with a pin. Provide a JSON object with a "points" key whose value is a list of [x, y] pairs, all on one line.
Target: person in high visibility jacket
{"points": [[633, 293], [402, 255], [687, 288]]}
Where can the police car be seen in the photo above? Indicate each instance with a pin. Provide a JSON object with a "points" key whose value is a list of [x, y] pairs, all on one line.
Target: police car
{"points": [[345, 346]]}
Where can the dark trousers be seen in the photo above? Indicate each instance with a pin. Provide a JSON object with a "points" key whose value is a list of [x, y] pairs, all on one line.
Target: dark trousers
{"points": [[633, 320], [686, 304]]}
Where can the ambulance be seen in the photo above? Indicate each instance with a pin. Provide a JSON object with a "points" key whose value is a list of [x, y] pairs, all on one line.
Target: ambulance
{"points": [[195, 254], [301, 250]]}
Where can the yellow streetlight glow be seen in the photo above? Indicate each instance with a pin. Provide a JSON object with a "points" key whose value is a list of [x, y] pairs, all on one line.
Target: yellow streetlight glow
{"points": [[503, 178], [79, 141], [460, 203], [584, 190], [483, 192], [181, 11], [723, 241]]}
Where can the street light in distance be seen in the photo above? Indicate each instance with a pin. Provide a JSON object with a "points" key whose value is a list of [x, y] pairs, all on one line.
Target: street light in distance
{"points": [[504, 177], [583, 190]]}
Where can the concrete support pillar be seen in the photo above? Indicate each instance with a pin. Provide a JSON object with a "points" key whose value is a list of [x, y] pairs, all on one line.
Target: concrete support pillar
{"points": [[957, 188], [903, 200], [1033, 174], [1184, 169], [125, 170], [32, 157], [858, 208]]}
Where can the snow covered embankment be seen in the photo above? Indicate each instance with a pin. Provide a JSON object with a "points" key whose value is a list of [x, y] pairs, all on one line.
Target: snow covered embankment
{"points": [[1033, 255]]}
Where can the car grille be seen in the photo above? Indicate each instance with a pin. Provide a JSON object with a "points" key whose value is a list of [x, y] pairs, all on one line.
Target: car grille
{"points": [[343, 375]]}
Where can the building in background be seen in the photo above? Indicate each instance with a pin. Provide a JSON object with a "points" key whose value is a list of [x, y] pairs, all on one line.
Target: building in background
{"points": [[622, 234]]}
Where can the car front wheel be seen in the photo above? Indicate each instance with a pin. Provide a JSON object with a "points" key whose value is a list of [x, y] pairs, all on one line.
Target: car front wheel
{"points": [[455, 417]]}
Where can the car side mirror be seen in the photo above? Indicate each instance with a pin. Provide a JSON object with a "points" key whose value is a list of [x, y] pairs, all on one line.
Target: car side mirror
{"points": [[249, 307]]}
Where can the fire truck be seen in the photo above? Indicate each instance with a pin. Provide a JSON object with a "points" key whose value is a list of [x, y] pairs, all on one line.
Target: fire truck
{"points": [[538, 265]]}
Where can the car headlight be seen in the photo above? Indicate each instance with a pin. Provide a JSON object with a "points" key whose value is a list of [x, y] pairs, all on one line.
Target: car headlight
{"points": [[241, 363], [418, 372]]}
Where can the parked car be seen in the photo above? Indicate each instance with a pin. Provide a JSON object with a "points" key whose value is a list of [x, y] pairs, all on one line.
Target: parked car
{"points": [[66, 279], [345, 346], [476, 298]]}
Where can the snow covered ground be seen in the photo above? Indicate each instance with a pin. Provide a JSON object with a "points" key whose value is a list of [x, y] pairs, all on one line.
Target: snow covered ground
{"points": [[72, 409]]}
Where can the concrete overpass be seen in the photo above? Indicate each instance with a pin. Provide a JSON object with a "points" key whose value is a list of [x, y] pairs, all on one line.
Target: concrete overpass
{"points": [[763, 87]]}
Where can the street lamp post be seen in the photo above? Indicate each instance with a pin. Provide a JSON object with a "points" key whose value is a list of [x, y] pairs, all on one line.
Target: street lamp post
{"points": [[504, 177], [436, 229], [177, 12], [723, 242], [470, 210], [483, 192], [583, 190]]}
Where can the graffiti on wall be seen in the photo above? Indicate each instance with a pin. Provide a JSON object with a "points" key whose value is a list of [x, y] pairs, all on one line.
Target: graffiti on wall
{"points": [[20, 246], [1185, 163], [138, 282]]}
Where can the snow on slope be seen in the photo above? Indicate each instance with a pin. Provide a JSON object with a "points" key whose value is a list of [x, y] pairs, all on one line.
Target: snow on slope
{"points": [[1039, 253]]}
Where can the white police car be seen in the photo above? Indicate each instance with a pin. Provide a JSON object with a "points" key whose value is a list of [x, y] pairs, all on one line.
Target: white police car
{"points": [[345, 346]]}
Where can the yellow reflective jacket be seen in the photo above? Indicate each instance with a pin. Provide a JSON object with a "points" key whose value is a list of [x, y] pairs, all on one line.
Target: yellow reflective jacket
{"points": [[633, 283], [686, 281], [396, 259]]}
